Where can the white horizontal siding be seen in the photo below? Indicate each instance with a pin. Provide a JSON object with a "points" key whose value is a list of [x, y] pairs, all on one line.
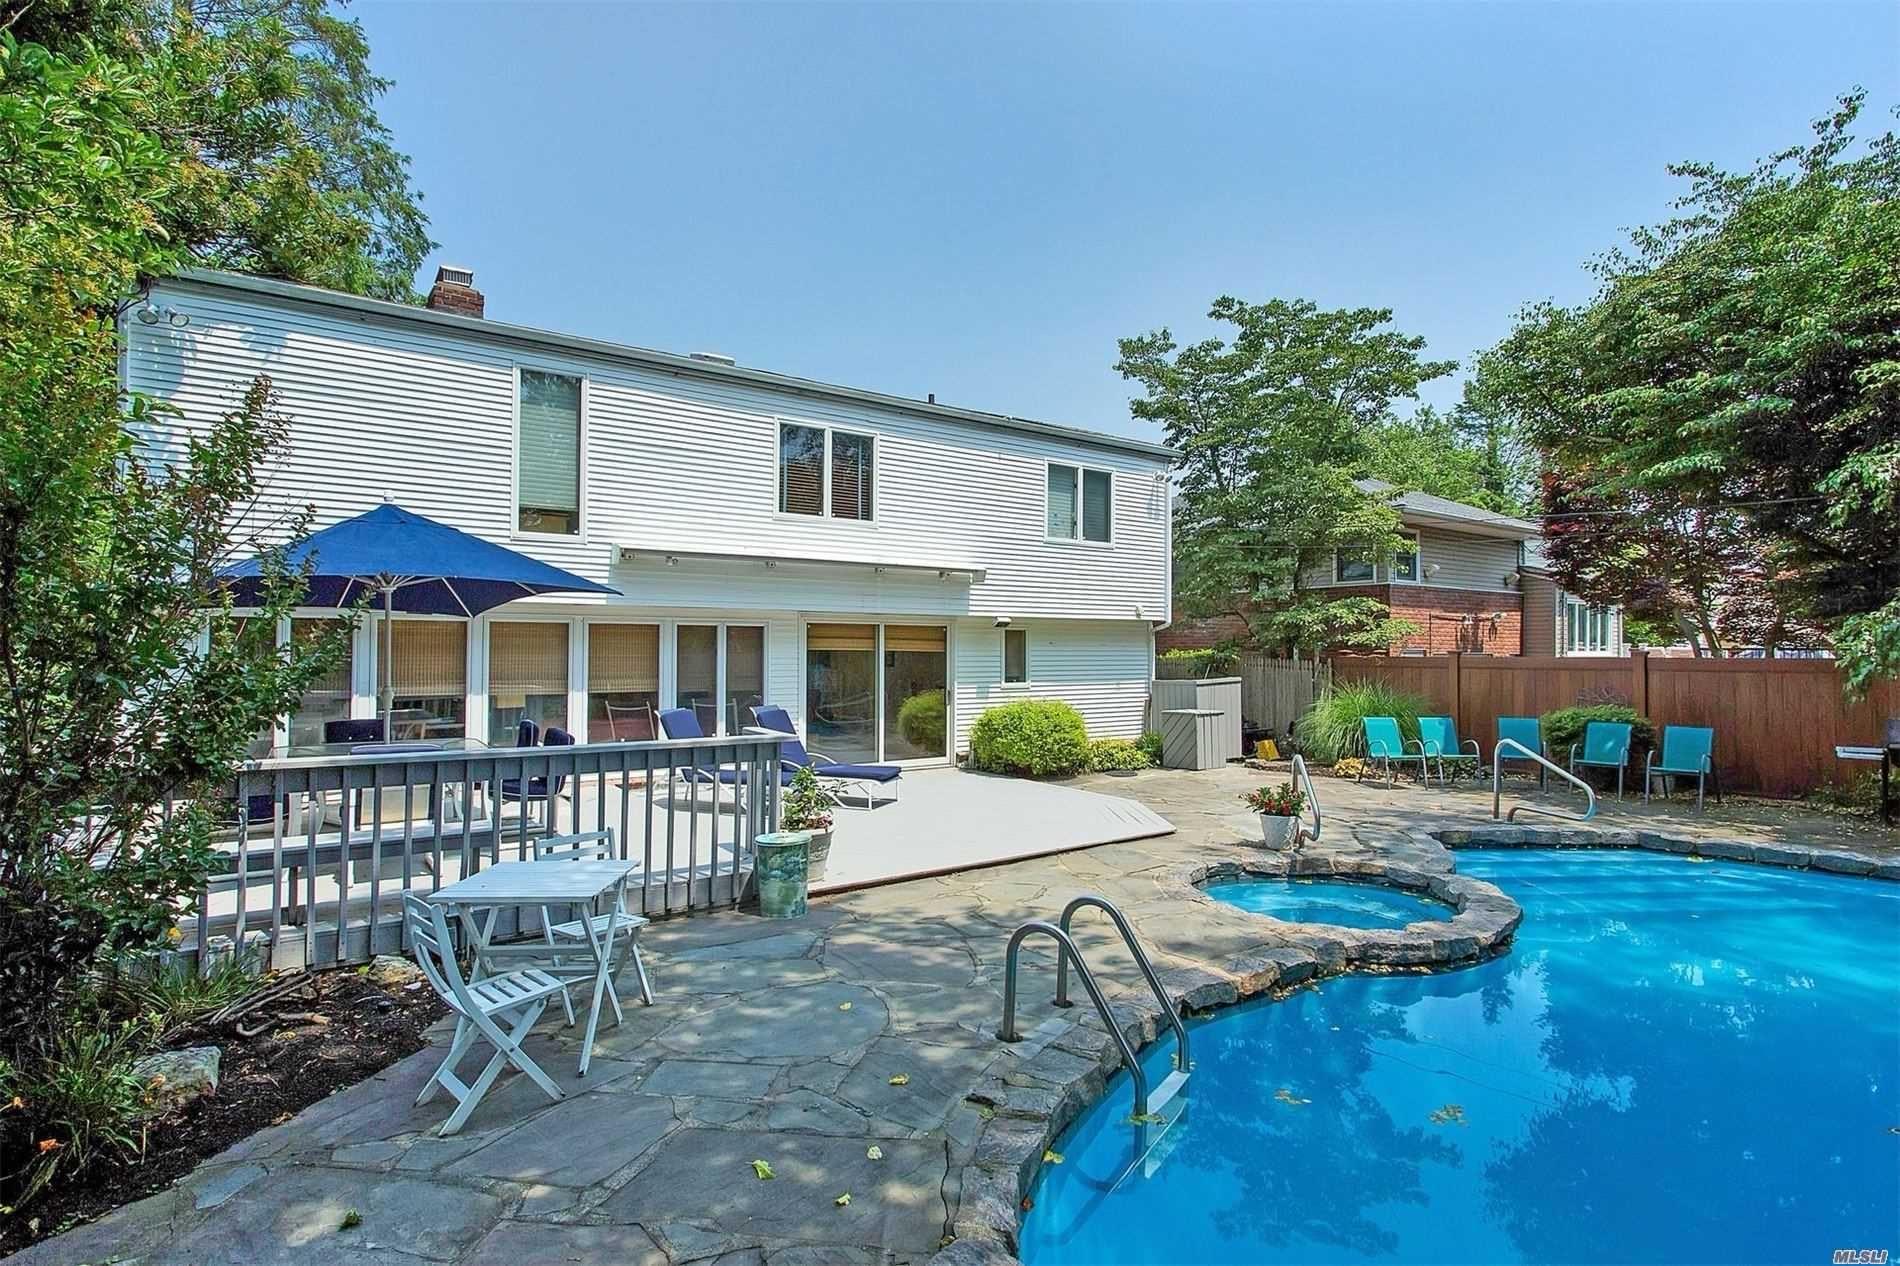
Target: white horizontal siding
{"points": [[1100, 668], [673, 461]]}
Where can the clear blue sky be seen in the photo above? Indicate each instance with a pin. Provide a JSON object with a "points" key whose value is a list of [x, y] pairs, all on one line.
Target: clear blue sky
{"points": [[978, 200]]}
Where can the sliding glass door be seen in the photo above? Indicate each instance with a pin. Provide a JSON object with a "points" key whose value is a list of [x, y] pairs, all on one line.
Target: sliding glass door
{"points": [[841, 690], [876, 693]]}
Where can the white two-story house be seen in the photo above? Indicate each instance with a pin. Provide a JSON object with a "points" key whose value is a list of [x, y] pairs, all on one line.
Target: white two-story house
{"points": [[843, 553]]}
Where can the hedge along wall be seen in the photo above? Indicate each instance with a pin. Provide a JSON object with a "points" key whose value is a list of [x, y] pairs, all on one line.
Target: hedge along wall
{"points": [[1776, 721]]}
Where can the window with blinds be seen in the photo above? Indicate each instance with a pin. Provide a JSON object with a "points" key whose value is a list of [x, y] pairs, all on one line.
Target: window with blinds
{"points": [[428, 674], [801, 469], [850, 476], [527, 676], [825, 473], [623, 682], [549, 464], [1080, 504]]}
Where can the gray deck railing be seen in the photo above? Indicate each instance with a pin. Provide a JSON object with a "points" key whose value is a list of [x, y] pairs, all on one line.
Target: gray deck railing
{"points": [[320, 881]]}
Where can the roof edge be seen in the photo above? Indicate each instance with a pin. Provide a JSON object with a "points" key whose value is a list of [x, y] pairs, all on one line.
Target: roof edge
{"points": [[671, 362]]}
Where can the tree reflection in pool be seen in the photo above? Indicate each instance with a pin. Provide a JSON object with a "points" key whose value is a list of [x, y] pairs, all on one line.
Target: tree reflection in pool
{"points": [[1677, 1062]]}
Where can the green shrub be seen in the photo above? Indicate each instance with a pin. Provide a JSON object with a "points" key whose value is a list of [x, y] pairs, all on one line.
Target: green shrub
{"points": [[1204, 662], [1150, 745], [1116, 754], [1333, 730], [1039, 737], [1565, 726], [920, 720]]}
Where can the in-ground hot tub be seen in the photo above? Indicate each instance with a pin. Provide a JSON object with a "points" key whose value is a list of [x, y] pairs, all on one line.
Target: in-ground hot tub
{"points": [[1328, 900]]}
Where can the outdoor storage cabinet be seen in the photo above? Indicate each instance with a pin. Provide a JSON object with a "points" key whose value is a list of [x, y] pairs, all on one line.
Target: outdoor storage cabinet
{"points": [[1190, 738], [1219, 695]]}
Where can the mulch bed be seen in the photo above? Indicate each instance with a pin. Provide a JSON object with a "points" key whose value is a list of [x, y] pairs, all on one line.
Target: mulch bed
{"points": [[333, 1030]]}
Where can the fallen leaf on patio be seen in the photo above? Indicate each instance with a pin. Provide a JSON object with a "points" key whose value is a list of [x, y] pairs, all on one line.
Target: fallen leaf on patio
{"points": [[900, 1079], [874, 1152], [844, 1006], [986, 1112], [351, 1220], [763, 1170], [1051, 1158], [843, 1200]]}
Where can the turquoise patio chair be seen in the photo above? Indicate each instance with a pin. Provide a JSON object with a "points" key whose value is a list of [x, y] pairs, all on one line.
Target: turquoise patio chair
{"points": [[1606, 745], [1526, 731], [1688, 751], [1385, 744], [1438, 737]]}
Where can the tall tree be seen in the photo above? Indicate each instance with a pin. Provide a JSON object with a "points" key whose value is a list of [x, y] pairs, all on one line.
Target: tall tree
{"points": [[270, 105], [1274, 426], [1733, 393], [127, 151]]}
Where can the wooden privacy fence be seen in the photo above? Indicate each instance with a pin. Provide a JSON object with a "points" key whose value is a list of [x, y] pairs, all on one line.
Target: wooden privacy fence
{"points": [[1776, 721], [1274, 693]]}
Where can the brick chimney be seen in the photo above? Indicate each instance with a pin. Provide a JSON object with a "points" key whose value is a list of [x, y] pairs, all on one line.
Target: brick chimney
{"points": [[454, 291]]}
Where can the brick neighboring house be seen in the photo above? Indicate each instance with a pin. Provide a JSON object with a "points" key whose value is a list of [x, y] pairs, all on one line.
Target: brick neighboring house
{"points": [[1473, 581]]}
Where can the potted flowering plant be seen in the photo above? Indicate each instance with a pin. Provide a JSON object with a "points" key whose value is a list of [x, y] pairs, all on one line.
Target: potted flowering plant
{"points": [[807, 808], [1279, 809]]}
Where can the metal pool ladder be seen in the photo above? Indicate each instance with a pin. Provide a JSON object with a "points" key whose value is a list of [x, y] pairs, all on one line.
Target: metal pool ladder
{"points": [[1146, 1102], [1523, 752]]}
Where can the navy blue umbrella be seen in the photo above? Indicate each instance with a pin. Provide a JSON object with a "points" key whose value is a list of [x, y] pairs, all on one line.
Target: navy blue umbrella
{"points": [[417, 565]]}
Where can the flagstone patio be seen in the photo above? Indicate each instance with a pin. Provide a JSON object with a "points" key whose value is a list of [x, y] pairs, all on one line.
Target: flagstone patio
{"points": [[853, 1052]]}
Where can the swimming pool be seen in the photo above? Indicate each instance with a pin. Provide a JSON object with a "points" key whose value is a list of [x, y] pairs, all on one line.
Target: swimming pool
{"points": [[1339, 902], [1676, 1062]]}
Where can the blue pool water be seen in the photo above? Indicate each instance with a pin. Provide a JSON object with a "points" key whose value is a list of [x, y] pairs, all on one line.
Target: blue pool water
{"points": [[1677, 1062], [1339, 902]]}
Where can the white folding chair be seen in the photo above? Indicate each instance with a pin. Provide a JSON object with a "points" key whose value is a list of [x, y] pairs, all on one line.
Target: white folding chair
{"points": [[514, 999], [590, 928]]}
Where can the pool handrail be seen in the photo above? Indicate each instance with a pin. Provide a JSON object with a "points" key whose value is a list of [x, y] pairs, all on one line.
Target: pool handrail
{"points": [[1497, 786], [1312, 796], [1141, 960], [1066, 949]]}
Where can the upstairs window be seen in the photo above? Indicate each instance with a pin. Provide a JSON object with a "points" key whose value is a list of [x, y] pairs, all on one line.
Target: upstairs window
{"points": [[1405, 561], [1080, 504], [548, 491], [825, 473], [1350, 565]]}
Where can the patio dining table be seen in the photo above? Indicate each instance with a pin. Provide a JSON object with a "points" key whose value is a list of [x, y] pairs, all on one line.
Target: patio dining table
{"points": [[480, 898]]}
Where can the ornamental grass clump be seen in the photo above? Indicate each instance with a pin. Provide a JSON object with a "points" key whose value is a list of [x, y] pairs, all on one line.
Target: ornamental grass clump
{"points": [[1334, 728]]}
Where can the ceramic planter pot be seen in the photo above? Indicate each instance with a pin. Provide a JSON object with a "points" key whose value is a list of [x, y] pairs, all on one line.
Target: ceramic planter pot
{"points": [[780, 870], [816, 852], [1279, 832]]}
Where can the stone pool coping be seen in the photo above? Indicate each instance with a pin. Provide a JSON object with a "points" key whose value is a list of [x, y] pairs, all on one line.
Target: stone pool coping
{"points": [[1064, 1073]]}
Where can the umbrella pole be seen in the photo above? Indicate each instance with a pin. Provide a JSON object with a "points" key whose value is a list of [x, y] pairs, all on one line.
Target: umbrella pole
{"points": [[389, 645]]}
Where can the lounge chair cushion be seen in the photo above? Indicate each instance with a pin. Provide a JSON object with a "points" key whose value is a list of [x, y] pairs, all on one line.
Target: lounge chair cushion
{"points": [[861, 773]]}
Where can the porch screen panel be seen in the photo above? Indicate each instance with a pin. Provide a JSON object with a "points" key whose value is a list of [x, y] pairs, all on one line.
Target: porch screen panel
{"points": [[623, 682], [1062, 502], [550, 465], [801, 470], [1096, 507], [696, 672], [429, 674], [527, 677], [328, 697], [745, 675], [850, 476]]}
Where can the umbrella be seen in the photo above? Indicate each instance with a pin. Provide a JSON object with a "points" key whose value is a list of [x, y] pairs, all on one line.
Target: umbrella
{"points": [[419, 566]]}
